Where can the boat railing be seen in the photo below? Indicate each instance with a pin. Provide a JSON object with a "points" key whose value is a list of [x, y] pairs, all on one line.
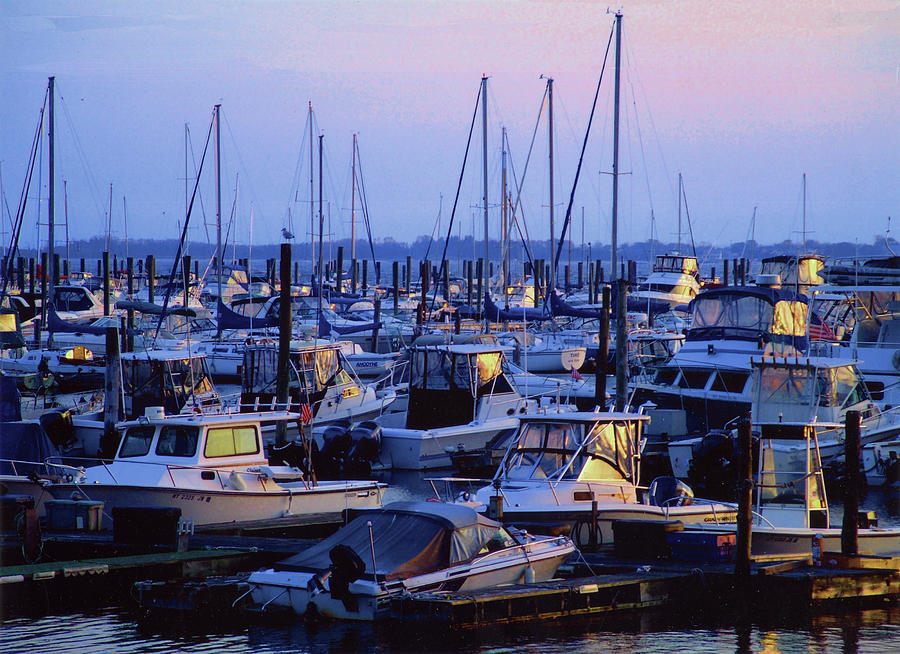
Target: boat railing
{"points": [[78, 472], [19, 469]]}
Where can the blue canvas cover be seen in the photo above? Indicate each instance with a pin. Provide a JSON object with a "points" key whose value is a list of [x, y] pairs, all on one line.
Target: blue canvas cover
{"points": [[24, 442], [230, 319]]}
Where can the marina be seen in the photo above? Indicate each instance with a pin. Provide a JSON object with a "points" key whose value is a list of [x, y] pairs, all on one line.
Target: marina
{"points": [[497, 379]]}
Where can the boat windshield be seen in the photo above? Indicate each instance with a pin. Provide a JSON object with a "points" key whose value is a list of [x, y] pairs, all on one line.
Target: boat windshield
{"points": [[137, 441], [790, 472], [739, 312], [790, 393]]}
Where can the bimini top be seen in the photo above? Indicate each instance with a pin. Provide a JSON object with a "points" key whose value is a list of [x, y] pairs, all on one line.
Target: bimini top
{"points": [[409, 539], [772, 295]]}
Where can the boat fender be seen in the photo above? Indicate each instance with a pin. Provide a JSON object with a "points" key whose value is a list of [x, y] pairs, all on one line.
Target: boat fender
{"points": [[529, 575], [235, 482], [895, 360]]}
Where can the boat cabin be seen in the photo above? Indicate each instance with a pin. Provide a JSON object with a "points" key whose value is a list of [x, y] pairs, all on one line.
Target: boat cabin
{"points": [[791, 485], [319, 376], [163, 450], [807, 389], [173, 379], [448, 382], [575, 446]]}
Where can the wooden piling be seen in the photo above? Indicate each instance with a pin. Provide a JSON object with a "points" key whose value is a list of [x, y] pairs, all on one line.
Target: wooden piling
{"points": [[129, 339], [284, 342], [602, 353], [395, 272], [365, 277], [106, 289], [621, 344], [113, 411], [850, 524], [377, 304], [745, 500], [151, 278]]}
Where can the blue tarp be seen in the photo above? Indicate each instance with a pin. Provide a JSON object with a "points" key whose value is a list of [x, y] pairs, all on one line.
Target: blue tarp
{"points": [[230, 319], [495, 314], [327, 329], [24, 441], [57, 325]]}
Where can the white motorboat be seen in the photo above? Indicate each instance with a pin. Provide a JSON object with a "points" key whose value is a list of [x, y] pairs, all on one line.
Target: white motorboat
{"points": [[544, 353], [563, 470], [791, 508], [404, 548], [459, 400], [800, 390], [213, 468], [675, 280]]}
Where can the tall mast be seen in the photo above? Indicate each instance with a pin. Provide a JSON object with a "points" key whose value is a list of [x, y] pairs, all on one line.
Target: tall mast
{"points": [[615, 198], [51, 217], [550, 135], [109, 218], [504, 213], [218, 209], [353, 206], [321, 272], [804, 216], [486, 265], [312, 230], [679, 213]]}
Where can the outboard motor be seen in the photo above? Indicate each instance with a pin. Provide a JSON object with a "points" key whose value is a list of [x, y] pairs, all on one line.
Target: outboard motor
{"points": [[365, 450], [58, 426], [669, 491], [336, 442], [346, 567]]}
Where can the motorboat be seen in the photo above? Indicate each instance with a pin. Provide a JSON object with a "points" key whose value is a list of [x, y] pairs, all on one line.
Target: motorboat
{"points": [[319, 378], [403, 548], [797, 390], [546, 353], [575, 472], [791, 509], [214, 468], [459, 400], [707, 382], [675, 280]]}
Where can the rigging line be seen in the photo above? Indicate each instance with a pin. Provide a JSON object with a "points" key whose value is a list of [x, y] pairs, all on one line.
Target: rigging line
{"points": [[23, 201], [517, 204], [194, 161], [636, 75], [361, 185], [298, 168], [637, 124], [437, 219], [240, 159], [92, 185], [562, 236], [456, 197], [516, 209], [187, 220], [687, 212]]}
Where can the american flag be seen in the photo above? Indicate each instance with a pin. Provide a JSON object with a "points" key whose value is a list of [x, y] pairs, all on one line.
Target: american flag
{"points": [[306, 413], [819, 331], [576, 375]]}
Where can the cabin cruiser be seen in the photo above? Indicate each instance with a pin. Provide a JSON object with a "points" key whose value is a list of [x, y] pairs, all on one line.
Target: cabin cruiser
{"points": [[791, 508], [675, 280], [546, 353], [176, 380], [798, 390], [707, 382], [563, 470], [319, 378], [459, 400], [213, 467], [405, 547]]}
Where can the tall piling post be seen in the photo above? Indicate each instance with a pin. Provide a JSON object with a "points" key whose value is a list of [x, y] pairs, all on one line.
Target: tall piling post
{"points": [[106, 290], [113, 411], [395, 273], [284, 342], [602, 353], [850, 523], [621, 344], [745, 501]]}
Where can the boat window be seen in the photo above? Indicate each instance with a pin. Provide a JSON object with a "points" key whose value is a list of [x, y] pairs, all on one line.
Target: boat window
{"points": [[612, 447], [729, 382], [693, 379], [735, 311], [488, 366], [522, 461], [789, 318], [666, 376], [136, 441], [890, 333], [177, 440], [231, 441], [72, 300], [847, 388], [326, 365]]}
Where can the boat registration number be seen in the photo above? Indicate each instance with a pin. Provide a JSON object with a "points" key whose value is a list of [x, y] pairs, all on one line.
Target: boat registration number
{"points": [[190, 497]]}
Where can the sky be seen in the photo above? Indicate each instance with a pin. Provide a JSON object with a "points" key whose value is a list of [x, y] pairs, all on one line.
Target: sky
{"points": [[741, 98]]}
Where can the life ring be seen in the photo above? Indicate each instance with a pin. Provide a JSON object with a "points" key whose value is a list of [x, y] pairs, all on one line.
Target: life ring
{"points": [[895, 360]]}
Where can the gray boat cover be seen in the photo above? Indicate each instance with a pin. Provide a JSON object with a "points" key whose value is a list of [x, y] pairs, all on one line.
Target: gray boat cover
{"points": [[24, 442], [410, 538]]}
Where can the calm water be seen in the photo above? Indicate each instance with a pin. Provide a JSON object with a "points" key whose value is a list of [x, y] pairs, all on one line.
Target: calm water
{"points": [[119, 629]]}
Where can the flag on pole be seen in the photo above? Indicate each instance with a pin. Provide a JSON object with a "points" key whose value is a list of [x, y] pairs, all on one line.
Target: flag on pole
{"points": [[819, 330], [306, 413], [576, 375]]}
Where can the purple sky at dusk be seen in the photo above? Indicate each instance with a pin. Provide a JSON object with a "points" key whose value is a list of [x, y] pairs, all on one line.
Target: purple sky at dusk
{"points": [[742, 98]]}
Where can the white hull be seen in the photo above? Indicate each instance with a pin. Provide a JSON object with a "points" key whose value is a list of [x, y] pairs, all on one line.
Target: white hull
{"points": [[213, 507], [425, 449]]}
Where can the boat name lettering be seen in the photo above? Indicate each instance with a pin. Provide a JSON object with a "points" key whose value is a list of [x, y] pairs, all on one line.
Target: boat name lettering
{"points": [[190, 497]]}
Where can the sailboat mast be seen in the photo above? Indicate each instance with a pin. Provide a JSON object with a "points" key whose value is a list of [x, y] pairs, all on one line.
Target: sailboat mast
{"points": [[679, 213], [486, 264], [320, 273], [353, 206], [504, 216], [550, 138], [218, 209], [615, 197], [51, 215], [312, 230], [804, 215]]}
